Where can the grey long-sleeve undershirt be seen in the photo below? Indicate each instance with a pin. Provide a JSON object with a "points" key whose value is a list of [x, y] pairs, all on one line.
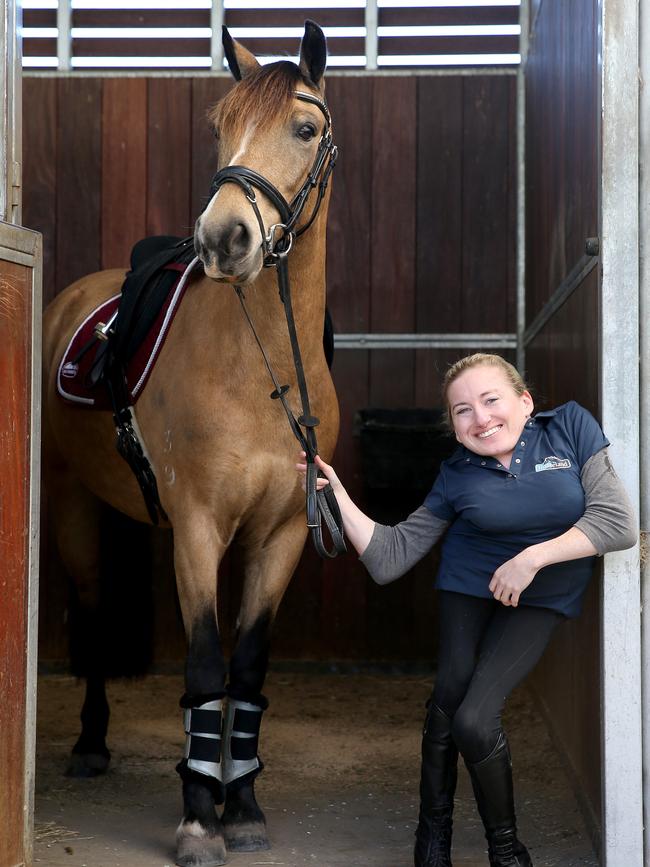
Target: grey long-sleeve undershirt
{"points": [[608, 522]]}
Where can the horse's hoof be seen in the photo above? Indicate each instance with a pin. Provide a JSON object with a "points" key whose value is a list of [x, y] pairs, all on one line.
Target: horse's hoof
{"points": [[247, 837], [196, 848], [84, 765]]}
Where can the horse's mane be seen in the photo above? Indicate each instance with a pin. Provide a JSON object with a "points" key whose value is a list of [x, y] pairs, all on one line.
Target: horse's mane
{"points": [[266, 95]]}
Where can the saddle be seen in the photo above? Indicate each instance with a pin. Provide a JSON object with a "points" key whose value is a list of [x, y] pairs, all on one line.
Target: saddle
{"points": [[116, 346]]}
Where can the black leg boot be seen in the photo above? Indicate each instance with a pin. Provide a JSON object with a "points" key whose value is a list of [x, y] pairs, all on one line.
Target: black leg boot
{"points": [[437, 787], [492, 782]]}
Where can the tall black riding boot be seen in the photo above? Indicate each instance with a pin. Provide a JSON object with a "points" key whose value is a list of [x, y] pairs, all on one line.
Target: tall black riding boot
{"points": [[437, 787], [492, 782]]}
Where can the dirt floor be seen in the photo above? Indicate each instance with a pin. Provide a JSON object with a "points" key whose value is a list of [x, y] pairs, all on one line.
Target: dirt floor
{"points": [[340, 784]]}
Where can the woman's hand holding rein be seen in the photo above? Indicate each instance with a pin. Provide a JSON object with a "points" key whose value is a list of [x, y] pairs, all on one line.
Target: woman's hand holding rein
{"points": [[358, 526]]}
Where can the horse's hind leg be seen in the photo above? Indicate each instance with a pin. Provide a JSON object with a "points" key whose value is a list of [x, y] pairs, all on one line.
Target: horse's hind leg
{"points": [[197, 552], [75, 515], [269, 567]]}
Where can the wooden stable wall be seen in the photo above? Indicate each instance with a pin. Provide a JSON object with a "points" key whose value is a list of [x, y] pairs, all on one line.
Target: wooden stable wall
{"points": [[421, 239], [562, 358]]}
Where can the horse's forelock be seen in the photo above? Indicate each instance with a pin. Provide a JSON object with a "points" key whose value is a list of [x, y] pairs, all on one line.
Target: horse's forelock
{"points": [[266, 96]]}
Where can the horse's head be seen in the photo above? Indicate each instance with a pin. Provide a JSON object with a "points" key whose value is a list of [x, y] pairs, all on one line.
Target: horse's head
{"points": [[275, 144]]}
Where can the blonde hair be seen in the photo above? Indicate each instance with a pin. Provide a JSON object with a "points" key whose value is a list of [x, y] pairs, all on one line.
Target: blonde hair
{"points": [[480, 359]]}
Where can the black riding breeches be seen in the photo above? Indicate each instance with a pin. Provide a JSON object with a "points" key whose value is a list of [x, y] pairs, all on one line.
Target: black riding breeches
{"points": [[486, 649]]}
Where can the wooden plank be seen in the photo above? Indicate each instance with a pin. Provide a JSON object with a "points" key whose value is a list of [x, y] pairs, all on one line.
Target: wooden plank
{"points": [[206, 92], [512, 214], [15, 387], [124, 168], [348, 296], [169, 157], [441, 16], [293, 17], [175, 46], [78, 179], [439, 205], [561, 363], [39, 47], [546, 182], [281, 46], [39, 170], [349, 224], [486, 242], [392, 268], [39, 17], [140, 18], [581, 144], [562, 147], [447, 45], [393, 235]]}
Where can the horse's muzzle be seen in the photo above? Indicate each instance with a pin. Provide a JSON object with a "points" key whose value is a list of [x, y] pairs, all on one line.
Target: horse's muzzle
{"points": [[229, 252]]}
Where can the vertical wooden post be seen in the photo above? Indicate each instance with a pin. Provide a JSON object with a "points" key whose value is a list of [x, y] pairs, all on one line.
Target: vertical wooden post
{"points": [[20, 306]]}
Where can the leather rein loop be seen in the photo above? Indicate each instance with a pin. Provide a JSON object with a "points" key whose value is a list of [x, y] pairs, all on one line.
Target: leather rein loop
{"points": [[320, 505]]}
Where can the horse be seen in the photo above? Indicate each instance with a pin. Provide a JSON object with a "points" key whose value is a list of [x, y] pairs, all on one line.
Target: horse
{"points": [[222, 452]]}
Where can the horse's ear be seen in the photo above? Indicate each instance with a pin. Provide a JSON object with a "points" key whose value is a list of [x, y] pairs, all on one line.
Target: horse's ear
{"points": [[313, 53], [240, 60]]}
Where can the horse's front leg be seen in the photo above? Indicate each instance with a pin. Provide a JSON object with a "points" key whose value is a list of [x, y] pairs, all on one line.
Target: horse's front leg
{"points": [[197, 553], [269, 566]]}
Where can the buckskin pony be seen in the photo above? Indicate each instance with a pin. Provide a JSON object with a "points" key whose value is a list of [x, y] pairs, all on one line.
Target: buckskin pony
{"points": [[222, 452]]}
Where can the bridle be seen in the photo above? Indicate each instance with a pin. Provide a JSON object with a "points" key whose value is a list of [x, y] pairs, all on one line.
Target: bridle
{"points": [[290, 213], [321, 505]]}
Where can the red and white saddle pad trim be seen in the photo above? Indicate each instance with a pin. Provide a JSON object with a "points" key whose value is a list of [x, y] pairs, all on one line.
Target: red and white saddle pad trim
{"points": [[72, 377]]}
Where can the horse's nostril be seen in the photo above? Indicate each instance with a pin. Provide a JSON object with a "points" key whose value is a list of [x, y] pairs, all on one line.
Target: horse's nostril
{"points": [[235, 242]]}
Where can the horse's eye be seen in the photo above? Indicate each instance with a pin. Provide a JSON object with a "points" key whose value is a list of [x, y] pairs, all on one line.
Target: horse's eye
{"points": [[215, 132], [306, 132]]}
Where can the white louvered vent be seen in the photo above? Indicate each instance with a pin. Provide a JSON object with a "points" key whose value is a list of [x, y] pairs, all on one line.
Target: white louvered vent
{"points": [[185, 34]]}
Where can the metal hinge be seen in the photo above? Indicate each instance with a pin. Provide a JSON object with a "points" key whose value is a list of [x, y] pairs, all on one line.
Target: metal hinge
{"points": [[16, 184]]}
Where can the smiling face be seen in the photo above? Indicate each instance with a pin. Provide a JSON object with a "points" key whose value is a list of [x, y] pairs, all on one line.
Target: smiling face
{"points": [[487, 413]]}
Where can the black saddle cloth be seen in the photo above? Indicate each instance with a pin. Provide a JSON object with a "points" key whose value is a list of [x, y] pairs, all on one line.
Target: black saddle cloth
{"points": [[144, 291]]}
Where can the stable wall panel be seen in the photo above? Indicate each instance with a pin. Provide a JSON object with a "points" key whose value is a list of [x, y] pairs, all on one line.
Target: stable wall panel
{"points": [[562, 145], [562, 364], [124, 168]]}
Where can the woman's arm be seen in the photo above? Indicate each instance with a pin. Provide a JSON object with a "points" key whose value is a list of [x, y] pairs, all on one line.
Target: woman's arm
{"points": [[386, 552], [392, 551], [609, 521], [608, 524]]}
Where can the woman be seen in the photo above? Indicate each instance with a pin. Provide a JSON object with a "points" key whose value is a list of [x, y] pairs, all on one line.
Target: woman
{"points": [[525, 503]]}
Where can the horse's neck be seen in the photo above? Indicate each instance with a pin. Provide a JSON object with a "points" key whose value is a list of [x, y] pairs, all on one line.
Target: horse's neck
{"points": [[306, 263]]}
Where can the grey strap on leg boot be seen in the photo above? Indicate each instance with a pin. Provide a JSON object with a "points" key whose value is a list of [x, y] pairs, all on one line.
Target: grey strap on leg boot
{"points": [[492, 783], [437, 788]]}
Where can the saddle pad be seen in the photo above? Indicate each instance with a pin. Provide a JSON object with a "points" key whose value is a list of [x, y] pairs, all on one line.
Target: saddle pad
{"points": [[73, 374]]}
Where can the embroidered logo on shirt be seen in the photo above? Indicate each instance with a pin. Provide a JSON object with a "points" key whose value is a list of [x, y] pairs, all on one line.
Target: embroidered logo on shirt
{"points": [[553, 463]]}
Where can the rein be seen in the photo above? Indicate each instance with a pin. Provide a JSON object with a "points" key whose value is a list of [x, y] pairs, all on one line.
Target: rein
{"points": [[321, 505]]}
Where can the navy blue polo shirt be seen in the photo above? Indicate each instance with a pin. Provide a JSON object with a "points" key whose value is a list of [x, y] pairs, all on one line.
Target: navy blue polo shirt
{"points": [[496, 512]]}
